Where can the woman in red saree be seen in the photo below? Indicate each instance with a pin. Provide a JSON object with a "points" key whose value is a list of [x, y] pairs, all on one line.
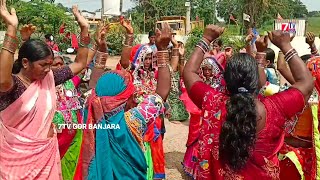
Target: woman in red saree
{"points": [[28, 141], [211, 73], [240, 135]]}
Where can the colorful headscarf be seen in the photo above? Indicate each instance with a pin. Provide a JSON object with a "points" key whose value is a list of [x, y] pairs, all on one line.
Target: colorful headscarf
{"points": [[144, 82], [106, 98], [216, 80], [106, 107], [313, 65], [140, 55]]}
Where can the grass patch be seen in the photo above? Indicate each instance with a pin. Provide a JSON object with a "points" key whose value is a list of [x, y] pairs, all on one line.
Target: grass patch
{"points": [[313, 25]]}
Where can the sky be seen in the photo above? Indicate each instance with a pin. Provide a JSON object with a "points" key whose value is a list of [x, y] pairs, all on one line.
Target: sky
{"points": [[92, 5]]}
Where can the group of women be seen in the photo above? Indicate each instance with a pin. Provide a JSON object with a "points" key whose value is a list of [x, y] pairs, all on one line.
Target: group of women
{"points": [[237, 129]]}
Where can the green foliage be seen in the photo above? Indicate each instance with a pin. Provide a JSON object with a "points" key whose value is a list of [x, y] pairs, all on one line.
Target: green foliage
{"points": [[236, 42], [228, 38], [204, 10], [193, 39], [261, 11], [116, 37], [313, 25], [314, 14], [147, 12], [43, 13]]}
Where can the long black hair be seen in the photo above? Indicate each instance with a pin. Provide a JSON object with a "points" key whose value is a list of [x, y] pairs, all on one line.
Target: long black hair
{"points": [[33, 50], [238, 133]]}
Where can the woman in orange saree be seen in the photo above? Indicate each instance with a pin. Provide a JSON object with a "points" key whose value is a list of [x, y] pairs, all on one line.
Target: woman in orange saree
{"points": [[28, 141]]}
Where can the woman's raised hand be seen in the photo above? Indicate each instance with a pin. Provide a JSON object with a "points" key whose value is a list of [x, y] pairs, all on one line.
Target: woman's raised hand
{"points": [[10, 18], [163, 37], [262, 43], [182, 50], [83, 23], [26, 31], [310, 38], [174, 42], [100, 36], [101, 32], [212, 32], [280, 39], [127, 25]]}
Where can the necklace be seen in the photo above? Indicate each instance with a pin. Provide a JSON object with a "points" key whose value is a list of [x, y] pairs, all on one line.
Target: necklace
{"points": [[25, 80]]}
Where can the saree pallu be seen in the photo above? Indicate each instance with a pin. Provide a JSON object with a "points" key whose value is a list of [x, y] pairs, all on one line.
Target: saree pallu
{"points": [[153, 137], [302, 163], [70, 140], [70, 143], [191, 156], [26, 151], [112, 153]]}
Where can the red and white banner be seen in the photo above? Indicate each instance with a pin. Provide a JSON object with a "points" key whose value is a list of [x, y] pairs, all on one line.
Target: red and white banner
{"points": [[296, 26]]}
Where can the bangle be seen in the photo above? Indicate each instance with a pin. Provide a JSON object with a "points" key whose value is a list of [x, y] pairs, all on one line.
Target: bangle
{"points": [[175, 52], [181, 60], [10, 43], [290, 54], [129, 40], [162, 65], [205, 45], [290, 51], [84, 41], [201, 49], [101, 59], [7, 49], [162, 57], [314, 52]]}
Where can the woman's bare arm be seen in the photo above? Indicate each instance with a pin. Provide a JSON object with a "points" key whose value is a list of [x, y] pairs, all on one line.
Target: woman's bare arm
{"points": [[190, 74], [164, 81], [261, 45], [301, 75], [175, 55], [127, 47], [284, 69], [9, 47], [81, 60]]}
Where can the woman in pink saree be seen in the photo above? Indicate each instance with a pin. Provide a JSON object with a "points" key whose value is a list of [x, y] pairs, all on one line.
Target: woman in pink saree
{"points": [[28, 141], [241, 134]]}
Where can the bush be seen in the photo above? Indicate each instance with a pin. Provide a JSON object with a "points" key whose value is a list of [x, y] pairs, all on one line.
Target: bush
{"points": [[116, 37], [193, 39], [236, 42]]}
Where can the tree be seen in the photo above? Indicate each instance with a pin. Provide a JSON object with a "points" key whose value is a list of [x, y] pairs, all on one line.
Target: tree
{"points": [[46, 16], [204, 9], [261, 11], [147, 12]]}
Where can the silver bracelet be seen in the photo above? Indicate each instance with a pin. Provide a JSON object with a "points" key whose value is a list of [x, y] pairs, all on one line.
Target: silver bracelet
{"points": [[201, 49]]}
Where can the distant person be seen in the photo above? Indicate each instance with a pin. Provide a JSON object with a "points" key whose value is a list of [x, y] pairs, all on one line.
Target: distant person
{"points": [[51, 43]]}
